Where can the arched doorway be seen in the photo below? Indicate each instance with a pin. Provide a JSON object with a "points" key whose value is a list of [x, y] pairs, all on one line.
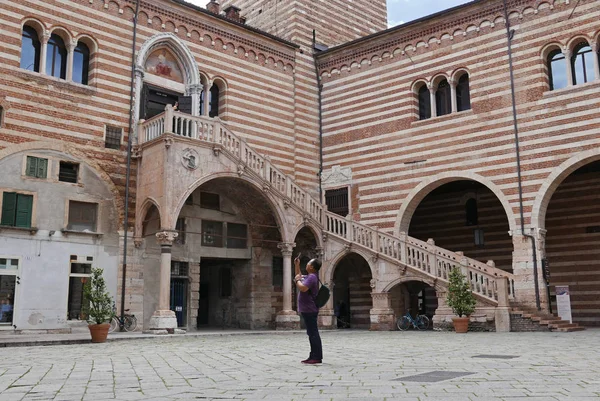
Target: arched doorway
{"points": [[464, 215], [224, 269], [352, 291], [415, 296], [573, 242]]}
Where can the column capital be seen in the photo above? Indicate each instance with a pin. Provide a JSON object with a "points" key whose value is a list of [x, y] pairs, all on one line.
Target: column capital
{"points": [[166, 238], [567, 52], [46, 37], [287, 248], [195, 89], [72, 44]]}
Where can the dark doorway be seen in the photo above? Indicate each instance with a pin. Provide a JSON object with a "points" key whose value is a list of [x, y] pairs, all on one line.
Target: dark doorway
{"points": [[179, 291], [154, 101]]}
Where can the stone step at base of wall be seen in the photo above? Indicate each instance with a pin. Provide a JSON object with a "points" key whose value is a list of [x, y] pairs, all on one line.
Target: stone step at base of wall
{"points": [[553, 322]]}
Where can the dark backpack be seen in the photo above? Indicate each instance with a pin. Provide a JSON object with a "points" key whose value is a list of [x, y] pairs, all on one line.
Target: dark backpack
{"points": [[322, 296]]}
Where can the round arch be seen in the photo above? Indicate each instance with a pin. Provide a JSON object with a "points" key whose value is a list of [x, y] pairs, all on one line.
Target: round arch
{"points": [[36, 24], [312, 227], [272, 202], [412, 200], [141, 213], [332, 264], [405, 279], [556, 177]]}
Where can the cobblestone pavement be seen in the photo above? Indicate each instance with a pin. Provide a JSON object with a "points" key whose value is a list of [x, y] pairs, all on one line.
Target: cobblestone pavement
{"points": [[357, 366]]}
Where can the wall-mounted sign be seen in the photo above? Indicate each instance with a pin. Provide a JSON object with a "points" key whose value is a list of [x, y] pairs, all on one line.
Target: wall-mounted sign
{"points": [[563, 302]]}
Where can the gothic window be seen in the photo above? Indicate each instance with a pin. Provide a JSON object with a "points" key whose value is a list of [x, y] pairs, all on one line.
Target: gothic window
{"points": [[472, 216], [213, 102], [424, 103], [443, 99], [56, 57], [463, 95], [30, 49], [81, 63], [583, 64], [557, 70]]}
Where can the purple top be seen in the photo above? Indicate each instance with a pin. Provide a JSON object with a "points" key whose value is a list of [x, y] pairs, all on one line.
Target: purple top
{"points": [[306, 300]]}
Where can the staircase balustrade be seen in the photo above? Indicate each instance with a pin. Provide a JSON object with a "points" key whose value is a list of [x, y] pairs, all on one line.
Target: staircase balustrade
{"points": [[425, 257]]}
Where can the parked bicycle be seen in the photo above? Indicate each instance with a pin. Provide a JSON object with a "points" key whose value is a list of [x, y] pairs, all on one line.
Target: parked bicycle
{"points": [[421, 322], [128, 322]]}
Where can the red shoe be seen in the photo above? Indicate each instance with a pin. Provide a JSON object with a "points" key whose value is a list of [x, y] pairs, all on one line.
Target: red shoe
{"points": [[312, 361]]}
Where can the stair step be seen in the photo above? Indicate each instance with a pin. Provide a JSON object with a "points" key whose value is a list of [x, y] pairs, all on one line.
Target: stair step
{"points": [[570, 329]]}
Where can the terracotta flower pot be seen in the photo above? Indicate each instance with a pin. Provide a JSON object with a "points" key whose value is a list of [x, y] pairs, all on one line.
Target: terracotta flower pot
{"points": [[99, 332], [461, 324]]}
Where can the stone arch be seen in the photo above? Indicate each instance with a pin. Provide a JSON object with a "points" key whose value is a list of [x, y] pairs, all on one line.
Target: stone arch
{"points": [[36, 24], [89, 41], [551, 183], [574, 41], [418, 193], [179, 49], [278, 213], [62, 32], [332, 264], [316, 230], [459, 72], [405, 279], [141, 213]]}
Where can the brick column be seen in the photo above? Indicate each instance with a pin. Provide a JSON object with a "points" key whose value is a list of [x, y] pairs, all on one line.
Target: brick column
{"points": [[164, 318], [287, 318]]}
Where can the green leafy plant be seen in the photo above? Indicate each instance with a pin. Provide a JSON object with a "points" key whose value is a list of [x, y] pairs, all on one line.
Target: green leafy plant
{"points": [[98, 302], [460, 298]]}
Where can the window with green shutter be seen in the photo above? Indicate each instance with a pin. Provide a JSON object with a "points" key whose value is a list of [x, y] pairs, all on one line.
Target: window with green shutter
{"points": [[16, 210], [36, 167]]}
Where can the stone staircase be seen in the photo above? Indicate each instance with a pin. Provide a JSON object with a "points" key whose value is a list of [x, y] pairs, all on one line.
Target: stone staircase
{"points": [[421, 258], [529, 319]]}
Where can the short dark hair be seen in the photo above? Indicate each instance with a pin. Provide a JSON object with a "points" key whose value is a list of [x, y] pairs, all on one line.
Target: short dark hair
{"points": [[316, 264]]}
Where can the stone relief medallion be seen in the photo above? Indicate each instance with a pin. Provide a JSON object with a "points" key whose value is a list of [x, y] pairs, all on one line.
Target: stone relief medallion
{"points": [[190, 159]]}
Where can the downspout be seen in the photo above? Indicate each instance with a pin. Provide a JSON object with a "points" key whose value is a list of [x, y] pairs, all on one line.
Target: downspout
{"points": [[128, 171], [509, 34], [320, 91]]}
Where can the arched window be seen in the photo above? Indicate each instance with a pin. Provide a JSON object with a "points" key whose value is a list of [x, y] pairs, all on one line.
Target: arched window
{"points": [[471, 213], [463, 95], [213, 102], [443, 99], [56, 59], [583, 64], [557, 70], [424, 103], [30, 49], [81, 63]]}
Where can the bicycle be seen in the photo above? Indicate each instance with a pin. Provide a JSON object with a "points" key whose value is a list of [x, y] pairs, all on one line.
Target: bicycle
{"points": [[127, 322], [421, 322]]}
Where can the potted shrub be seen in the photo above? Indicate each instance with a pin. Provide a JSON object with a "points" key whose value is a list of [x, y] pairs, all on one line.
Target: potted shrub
{"points": [[460, 299], [98, 306]]}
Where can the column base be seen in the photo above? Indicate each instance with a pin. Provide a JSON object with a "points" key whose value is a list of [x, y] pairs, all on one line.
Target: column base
{"points": [[327, 319], [287, 320], [163, 320], [382, 320]]}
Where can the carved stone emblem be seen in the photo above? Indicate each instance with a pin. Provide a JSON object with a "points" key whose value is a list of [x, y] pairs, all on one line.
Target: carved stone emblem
{"points": [[190, 159]]}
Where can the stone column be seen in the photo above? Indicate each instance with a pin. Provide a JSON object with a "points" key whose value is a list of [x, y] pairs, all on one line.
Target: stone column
{"points": [[453, 95], [567, 54], [70, 56], [164, 318], [442, 319], [44, 52], [382, 314], [432, 91], [287, 318], [139, 85], [195, 91], [502, 314], [523, 270], [594, 46]]}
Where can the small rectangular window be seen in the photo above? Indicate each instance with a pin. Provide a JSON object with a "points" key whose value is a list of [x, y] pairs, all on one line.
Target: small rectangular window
{"points": [[225, 281], [68, 172], [212, 233], [209, 201], [478, 234], [337, 201], [237, 235], [180, 228], [112, 137], [36, 167], [9, 264], [80, 273], [277, 271], [179, 269], [82, 216], [16, 210]]}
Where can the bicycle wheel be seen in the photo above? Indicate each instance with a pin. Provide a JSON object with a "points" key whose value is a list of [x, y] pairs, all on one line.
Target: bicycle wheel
{"points": [[114, 323], [422, 322], [403, 323], [130, 323]]}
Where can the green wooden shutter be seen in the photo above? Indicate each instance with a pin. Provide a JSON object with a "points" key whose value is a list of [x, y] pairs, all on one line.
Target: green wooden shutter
{"points": [[24, 205], [9, 208], [42, 167], [32, 164]]}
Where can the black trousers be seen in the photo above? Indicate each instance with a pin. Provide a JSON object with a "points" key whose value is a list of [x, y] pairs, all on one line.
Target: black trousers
{"points": [[312, 329]]}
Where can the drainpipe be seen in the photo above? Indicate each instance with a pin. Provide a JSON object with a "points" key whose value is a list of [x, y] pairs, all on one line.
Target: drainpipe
{"points": [[128, 173], [509, 34], [320, 91]]}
